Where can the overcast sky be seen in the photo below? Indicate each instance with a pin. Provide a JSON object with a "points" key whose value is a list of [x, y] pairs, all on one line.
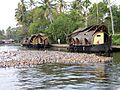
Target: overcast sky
{"points": [[7, 12]]}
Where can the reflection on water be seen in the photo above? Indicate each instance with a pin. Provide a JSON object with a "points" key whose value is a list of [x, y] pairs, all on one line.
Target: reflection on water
{"points": [[8, 79], [61, 77]]}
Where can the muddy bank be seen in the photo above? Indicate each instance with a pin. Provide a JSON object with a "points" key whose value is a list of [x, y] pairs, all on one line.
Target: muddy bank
{"points": [[27, 58]]}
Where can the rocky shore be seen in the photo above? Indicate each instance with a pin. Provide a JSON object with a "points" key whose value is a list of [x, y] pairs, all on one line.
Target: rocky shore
{"points": [[29, 57]]}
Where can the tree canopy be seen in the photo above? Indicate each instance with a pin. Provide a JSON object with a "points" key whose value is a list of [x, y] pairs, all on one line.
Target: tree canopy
{"points": [[58, 18]]}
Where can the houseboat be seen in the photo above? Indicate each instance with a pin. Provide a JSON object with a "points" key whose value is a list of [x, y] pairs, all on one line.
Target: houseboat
{"points": [[36, 41], [94, 38]]}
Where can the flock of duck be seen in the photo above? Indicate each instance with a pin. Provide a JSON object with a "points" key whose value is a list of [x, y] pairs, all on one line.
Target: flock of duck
{"points": [[35, 57]]}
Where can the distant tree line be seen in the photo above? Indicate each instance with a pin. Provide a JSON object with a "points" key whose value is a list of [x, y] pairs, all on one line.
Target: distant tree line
{"points": [[2, 34], [58, 18]]}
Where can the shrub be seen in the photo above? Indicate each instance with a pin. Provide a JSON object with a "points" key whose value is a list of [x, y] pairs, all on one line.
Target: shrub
{"points": [[116, 39]]}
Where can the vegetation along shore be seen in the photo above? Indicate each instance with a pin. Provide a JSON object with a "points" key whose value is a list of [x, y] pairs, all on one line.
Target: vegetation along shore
{"points": [[60, 20]]}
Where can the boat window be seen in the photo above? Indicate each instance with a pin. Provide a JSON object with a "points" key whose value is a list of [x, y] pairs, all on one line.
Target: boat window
{"points": [[77, 41], [86, 41], [98, 35]]}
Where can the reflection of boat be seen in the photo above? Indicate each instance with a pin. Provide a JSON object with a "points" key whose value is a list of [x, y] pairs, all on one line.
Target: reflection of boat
{"points": [[95, 38], [103, 72], [36, 41]]}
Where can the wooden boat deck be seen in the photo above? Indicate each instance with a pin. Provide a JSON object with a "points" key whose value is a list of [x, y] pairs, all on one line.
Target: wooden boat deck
{"points": [[115, 48], [60, 45]]}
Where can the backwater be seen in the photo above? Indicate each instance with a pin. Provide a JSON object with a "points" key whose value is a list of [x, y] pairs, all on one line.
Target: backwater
{"points": [[105, 76]]}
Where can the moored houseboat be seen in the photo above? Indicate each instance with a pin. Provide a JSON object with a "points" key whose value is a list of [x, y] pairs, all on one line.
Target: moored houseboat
{"points": [[94, 38], [36, 41]]}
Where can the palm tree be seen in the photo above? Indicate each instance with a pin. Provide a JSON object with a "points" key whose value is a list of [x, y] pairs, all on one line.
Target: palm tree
{"points": [[20, 12], [85, 5], [47, 7], [83, 8], [32, 3], [20, 15], [77, 5], [60, 6], [111, 15]]}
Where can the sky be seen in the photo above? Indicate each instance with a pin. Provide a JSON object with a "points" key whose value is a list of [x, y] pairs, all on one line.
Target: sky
{"points": [[7, 12]]}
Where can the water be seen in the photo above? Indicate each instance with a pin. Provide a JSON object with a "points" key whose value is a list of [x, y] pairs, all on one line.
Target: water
{"points": [[61, 76], [11, 48]]}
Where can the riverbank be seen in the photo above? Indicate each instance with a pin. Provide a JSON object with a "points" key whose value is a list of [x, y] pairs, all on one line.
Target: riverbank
{"points": [[34, 57]]}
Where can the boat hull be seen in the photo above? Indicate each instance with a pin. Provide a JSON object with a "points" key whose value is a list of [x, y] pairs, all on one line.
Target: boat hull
{"points": [[36, 46], [90, 48]]}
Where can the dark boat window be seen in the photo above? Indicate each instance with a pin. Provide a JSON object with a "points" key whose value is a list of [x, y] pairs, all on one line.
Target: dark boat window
{"points": [[86, 41], [77, 41], [98, 35]]}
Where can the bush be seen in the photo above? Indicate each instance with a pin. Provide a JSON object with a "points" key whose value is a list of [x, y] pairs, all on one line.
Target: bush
{"points": [[116, 39]]}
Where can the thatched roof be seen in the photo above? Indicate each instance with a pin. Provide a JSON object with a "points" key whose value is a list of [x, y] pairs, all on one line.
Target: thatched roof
{"points": [[90, 28]]}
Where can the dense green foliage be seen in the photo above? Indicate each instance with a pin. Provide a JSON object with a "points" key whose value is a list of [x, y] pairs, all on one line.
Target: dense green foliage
{"points": [[57, 18], [60, 28], [116, 39], [14, 33]]}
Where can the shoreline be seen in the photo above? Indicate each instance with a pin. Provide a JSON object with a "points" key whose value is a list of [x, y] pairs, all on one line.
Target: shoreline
{"points": [[115, 48], [35, 57], [59, 45]]}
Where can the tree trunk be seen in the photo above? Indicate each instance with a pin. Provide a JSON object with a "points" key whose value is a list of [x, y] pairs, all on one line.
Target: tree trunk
{"points": [[86, 19], [111, 15], [97, 13]]}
